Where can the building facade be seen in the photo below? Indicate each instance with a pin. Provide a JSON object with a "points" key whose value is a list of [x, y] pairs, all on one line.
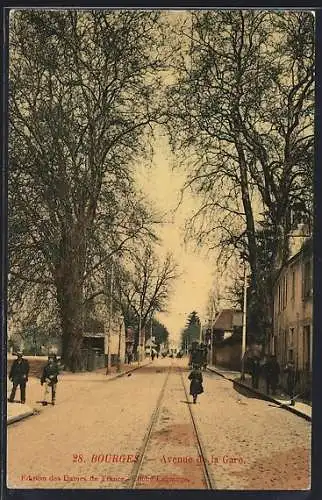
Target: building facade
{"points": [[292, 334], [224, 352]]}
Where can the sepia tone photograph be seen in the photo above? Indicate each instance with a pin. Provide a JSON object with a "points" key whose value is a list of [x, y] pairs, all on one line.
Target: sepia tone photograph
{"points": [[160, 226]]}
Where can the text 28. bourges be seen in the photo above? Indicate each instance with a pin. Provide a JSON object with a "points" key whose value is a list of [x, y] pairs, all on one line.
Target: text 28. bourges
{"points": [[105, 458]]}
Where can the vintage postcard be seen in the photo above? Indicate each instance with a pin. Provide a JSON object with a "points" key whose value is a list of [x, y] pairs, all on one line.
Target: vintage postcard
{"points": [[160, 207]]}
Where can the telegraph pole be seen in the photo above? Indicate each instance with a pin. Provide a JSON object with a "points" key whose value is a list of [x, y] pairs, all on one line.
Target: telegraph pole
{"points": [[151, 335], [140, 335], [211, 332], [118, 369], [110, 322], [244, 326]]}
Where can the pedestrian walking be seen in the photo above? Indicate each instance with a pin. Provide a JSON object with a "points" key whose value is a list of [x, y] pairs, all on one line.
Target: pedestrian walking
{"points": [[196, 380], [49, 378], [203, 355], [255, 371], [129, 357], [272, 372], [291, 380], [19, 376], [152, 354]]}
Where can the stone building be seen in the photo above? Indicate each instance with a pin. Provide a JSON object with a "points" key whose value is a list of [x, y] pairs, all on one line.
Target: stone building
{"points": [[291, 339]]}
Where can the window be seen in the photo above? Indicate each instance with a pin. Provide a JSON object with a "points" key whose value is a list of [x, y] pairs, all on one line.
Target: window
{"points": [[307, 361], [291, 336], [290, 355], [293, 285], [274, 345], [307, 279]]}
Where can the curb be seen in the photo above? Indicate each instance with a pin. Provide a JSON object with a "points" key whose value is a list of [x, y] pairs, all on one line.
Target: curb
{"points": [[263, 396], [16, 418]]}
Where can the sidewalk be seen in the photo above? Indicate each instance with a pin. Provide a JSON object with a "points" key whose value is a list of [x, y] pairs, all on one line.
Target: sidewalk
{"points": [[17, 411], [301, 409]]}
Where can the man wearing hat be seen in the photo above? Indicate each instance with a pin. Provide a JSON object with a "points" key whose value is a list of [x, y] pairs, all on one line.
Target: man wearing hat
{"points": [[19, 376], [49, 378]]}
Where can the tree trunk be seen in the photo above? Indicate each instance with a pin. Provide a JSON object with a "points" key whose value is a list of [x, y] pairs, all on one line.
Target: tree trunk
{"points": [[72, 321], [247, 205], [69, 285]]}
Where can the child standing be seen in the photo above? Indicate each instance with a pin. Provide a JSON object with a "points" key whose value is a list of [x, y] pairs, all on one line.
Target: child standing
{"points": [[196, 379]]}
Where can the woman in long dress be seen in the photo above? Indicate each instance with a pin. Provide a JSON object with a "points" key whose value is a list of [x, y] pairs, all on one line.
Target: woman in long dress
{"points": [[196, 380]]}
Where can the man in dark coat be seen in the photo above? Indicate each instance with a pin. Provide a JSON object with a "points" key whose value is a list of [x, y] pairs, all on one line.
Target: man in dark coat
{"points": [[19, 376], [272, 372], [196, 383], [49, 378], [291, 380], [255, 371], [203, 355]]}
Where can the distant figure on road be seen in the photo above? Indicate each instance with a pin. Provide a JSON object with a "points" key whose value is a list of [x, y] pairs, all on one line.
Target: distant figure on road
{"points": [[196, 379], [203, 355], [129, 357], [255, 371], [19, 376], [272, 372], [291, 380], [49, 378], [152, 354]]}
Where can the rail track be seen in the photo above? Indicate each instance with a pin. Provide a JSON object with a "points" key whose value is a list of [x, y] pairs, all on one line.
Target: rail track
{"points": [[208, 476], [138, 465], [136, 471]]}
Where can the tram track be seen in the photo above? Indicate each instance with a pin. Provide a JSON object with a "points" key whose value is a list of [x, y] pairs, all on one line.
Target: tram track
{"points": [[138, 465], [134, 476], [208, 476]]}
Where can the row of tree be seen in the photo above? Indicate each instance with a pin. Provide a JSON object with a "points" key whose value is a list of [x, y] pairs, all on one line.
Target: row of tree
{"points": [[86, 89], [191, 330], [242, 111]]}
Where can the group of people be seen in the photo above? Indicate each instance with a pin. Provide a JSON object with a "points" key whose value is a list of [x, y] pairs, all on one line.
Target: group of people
{"points": [[19, 372], [154, 353], [270, 369], [271, 372]]}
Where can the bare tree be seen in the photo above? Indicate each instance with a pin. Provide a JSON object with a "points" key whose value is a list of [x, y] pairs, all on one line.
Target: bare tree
{"points": [[144, 286], [82, 97]]}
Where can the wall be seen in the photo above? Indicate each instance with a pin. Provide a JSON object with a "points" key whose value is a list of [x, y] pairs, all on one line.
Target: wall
{"points": [[117, 331], [228, 356]]}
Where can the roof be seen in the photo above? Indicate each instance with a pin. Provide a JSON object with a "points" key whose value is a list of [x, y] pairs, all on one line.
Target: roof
{"points": [[226, 319]]}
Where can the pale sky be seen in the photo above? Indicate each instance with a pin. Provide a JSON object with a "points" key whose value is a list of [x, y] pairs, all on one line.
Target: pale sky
{"points": [[162, 187]]}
